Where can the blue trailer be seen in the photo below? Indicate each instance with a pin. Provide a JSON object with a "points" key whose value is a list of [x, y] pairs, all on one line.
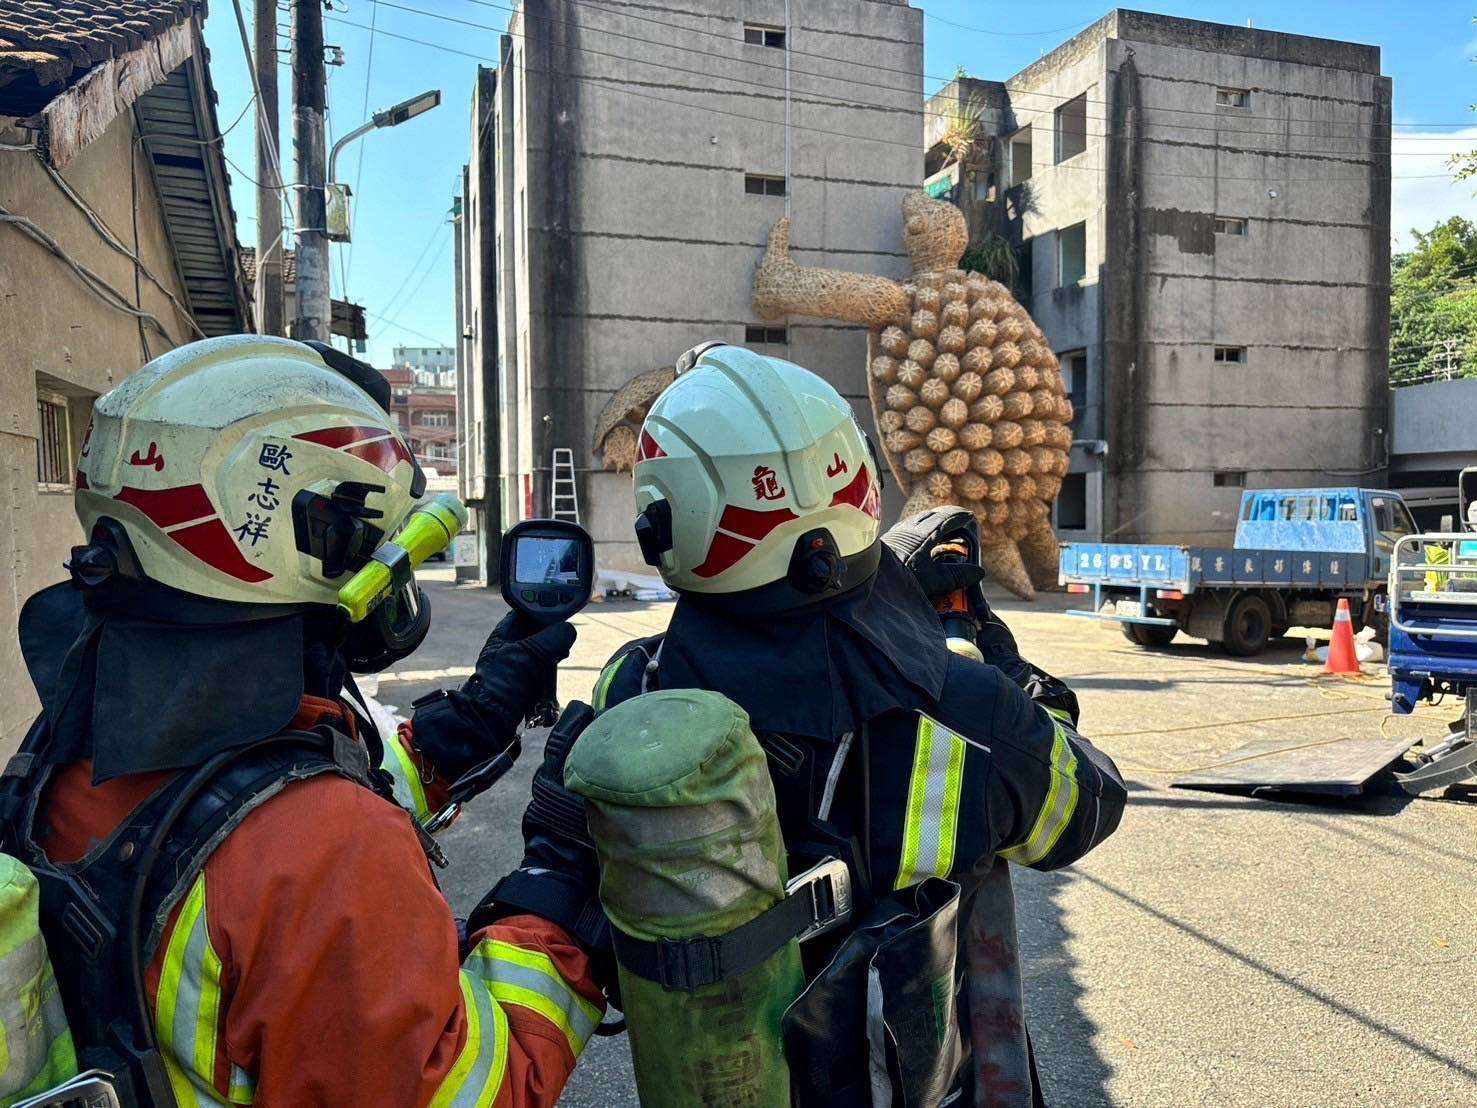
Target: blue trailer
{"points": [[1297, 552]]}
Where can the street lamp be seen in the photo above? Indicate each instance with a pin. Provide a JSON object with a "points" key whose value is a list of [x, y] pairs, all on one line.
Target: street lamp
{"points": [[337, 214]]}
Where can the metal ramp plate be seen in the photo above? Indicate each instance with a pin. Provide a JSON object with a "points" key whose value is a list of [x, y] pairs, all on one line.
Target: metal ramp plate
{"points": [[1339, 768]]}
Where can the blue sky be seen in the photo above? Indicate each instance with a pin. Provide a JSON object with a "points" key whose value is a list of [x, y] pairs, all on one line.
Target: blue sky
{"points": [[400, 264]]}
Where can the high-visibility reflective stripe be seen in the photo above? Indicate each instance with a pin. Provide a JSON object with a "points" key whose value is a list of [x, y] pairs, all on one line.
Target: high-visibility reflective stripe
{"points": [[410, 793], [478, 1073], [932, 819], [530, 979], [187, 1009], [1056, 810], [243, 1086], [607, 675]]}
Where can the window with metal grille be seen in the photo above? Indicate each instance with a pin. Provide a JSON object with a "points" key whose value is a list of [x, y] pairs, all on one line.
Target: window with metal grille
{"points": [[1232, 354], [759, 34], [1232, 98], [1229, 225], [759, 184], [53, 441], [774, 336]]}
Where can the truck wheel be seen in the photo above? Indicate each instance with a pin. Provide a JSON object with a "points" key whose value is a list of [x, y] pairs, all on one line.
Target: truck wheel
{"points": [[1248, 623], [1149, 634]]}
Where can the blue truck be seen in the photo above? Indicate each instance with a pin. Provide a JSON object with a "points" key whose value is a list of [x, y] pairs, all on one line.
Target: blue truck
{"points": [[1297, 553]]}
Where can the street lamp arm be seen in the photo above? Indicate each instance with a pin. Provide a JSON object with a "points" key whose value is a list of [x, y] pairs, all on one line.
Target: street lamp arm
{"points": [[390, 117]]}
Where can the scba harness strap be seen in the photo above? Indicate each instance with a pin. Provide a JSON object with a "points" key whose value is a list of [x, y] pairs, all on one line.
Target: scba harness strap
{"points": [[104, 915]]}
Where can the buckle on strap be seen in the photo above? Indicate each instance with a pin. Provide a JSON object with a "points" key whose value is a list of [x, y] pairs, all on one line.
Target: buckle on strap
{"points": [[828, 884], [816, 901], [689, 964]]}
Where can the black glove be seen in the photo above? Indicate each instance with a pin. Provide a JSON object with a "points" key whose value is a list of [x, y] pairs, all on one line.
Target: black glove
{"points": [[516, 671], [559, 879]]}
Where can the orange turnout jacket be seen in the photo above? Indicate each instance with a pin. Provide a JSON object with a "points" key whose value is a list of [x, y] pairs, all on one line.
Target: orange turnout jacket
{"points": [[314, 961]]}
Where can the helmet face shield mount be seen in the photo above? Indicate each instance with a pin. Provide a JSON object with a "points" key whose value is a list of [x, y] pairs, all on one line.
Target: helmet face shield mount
{"points": [[743, 464]]}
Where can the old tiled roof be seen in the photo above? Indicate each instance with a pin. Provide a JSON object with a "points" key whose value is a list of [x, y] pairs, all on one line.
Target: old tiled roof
{"points": [[46, 46], [248, 264]]}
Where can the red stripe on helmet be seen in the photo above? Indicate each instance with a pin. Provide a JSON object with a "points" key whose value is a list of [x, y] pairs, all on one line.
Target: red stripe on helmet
{"points": [[213, 545], [648, 448], [724, 553], [751, 524], [336, 437], [861, 493], [167, 507], [385, 453]]}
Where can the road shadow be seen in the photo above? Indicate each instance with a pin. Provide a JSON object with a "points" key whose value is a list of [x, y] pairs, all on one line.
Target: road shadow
{"points": [[1072, 1071]]}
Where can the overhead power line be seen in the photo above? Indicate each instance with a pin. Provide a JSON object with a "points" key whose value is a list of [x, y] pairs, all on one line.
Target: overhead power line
{"points": [[865, 105], [600, 83], [849, 79]]}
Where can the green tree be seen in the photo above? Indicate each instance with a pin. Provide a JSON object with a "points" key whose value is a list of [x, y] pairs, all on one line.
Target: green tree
{"points": [[1433, 305]]}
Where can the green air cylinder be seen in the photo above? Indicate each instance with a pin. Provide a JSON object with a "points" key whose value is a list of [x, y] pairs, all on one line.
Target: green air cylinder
{"points": [[682, 811]]}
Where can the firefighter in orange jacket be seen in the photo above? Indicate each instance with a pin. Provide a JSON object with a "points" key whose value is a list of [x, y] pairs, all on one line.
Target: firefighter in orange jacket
{"points": [[234, 862]]}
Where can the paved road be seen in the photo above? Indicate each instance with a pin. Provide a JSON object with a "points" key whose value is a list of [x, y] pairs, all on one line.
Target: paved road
{"points": [[1216, 951]]}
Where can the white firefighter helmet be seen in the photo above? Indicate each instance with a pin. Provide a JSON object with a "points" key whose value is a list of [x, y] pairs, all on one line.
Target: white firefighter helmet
{"points": [[752, 473], [245, 469]]}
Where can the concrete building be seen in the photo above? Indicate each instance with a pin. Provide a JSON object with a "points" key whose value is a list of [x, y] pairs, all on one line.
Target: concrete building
{"points": [[626, 169], [1432, 439], [433, 365], [427, 416], [1201, 215], [110, 159]]}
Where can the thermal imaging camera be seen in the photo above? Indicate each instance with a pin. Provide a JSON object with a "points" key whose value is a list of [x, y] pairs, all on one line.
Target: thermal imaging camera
{"points": [[547, 568]]}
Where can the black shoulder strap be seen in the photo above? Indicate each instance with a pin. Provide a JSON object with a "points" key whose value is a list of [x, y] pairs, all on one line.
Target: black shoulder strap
{"points": [[103, 916]]}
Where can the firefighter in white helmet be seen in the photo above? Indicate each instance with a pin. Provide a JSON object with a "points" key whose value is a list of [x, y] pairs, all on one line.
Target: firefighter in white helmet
{"points": [[758, 500], [233, 861]]}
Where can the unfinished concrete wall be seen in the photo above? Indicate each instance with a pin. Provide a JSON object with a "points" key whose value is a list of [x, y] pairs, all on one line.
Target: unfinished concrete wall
{"points": [[1284, 138], [642, 240], [60, 339]]}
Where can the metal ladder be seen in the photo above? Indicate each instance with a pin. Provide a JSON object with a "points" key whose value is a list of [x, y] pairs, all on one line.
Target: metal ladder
{"points": [[564, 495]]}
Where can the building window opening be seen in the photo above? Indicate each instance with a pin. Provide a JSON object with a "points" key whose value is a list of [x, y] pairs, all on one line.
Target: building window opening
{"points": [[1230, 479], [53, 441], [759, 34], [1071, 128], [1233, 98], [1074, 376], [757, 335], [1020, 156], [1231, 355], [1072, 246], [1229, 225], [759, 184], [1070, 508]]}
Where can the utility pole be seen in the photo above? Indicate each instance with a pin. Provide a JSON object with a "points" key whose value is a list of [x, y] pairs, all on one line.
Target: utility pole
{"points": [[269, 245], [308, 90]]}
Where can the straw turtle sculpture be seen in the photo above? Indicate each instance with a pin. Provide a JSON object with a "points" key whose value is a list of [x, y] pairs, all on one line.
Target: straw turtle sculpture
{"points": [[964, 387]]}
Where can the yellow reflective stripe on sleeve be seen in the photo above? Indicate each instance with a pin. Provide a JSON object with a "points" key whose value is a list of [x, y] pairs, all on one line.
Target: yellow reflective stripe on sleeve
{"points": [[478, 1073], [530, 979], [410, 793], [932, 819], [187, 1008], [1056, 810], [602, 686]]}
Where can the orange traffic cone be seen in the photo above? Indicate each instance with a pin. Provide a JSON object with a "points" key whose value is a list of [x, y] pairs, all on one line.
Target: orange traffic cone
{"points": [[1341, 656]]}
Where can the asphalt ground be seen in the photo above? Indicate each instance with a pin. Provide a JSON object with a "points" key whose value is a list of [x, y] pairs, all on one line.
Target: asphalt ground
{"points": [[1217, 950]]}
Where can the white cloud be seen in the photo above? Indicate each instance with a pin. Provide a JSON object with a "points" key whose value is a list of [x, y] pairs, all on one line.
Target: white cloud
{"points": [[1418, 200]]}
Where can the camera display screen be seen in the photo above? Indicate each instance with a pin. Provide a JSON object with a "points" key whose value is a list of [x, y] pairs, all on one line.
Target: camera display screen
{"points": [[546, 561]]}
